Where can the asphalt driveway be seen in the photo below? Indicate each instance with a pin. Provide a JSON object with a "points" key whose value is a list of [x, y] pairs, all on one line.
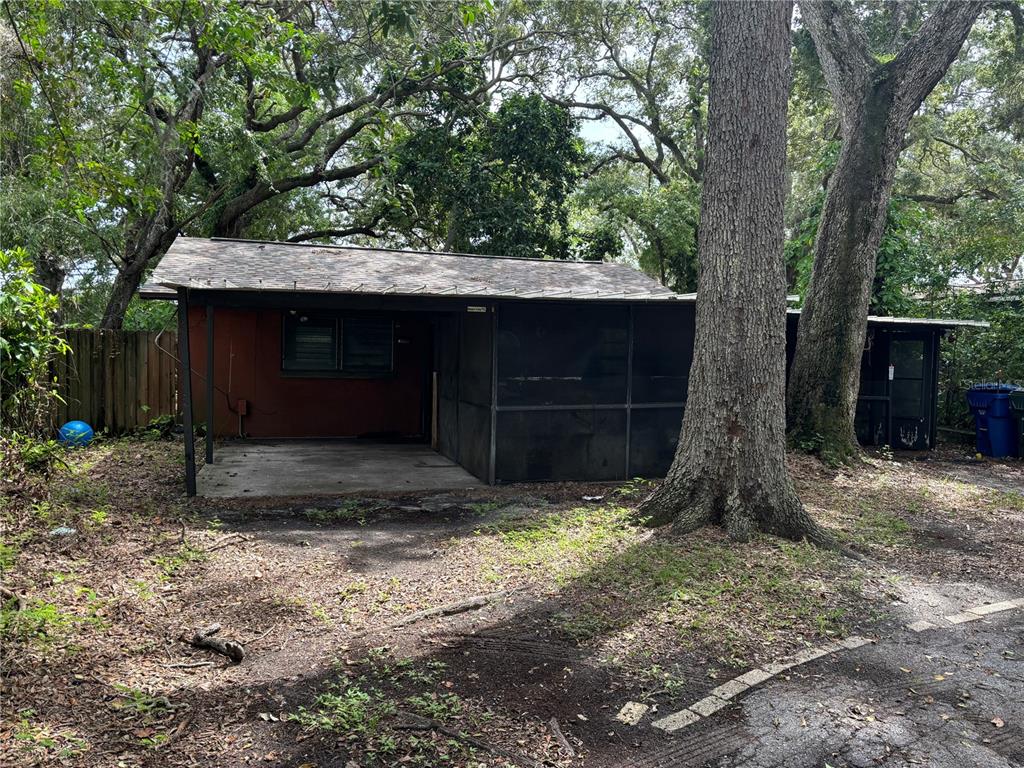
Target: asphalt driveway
{"points": [[946, 697]]}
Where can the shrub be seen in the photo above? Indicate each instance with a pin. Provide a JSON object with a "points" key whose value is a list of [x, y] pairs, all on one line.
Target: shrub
{"points": [[29, 345]]}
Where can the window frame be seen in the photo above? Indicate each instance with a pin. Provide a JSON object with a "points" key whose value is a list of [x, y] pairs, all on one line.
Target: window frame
{"points": [[338, 372]]}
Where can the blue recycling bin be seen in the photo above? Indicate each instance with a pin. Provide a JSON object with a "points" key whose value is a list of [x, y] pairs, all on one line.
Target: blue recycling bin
{"points": [[994, 431]]}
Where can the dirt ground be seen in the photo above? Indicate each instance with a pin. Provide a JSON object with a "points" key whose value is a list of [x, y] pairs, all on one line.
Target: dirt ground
{"points": [[558, 608]]}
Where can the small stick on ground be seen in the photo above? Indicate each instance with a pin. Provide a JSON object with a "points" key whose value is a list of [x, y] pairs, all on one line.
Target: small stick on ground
{"points": [[175, 733], [449, 609], [417, 723], [563, 742], [235, 538], [204, 638], [188, 665]]}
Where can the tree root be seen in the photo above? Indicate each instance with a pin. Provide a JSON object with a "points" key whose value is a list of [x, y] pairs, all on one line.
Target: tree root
{"points": [[688, 505]]}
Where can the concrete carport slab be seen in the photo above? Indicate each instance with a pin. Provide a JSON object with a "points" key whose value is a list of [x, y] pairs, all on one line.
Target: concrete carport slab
{"points": [[249, 469]]}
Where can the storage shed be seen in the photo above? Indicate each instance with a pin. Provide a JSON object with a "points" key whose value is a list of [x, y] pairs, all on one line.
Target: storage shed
{"points": [[515, 369]]}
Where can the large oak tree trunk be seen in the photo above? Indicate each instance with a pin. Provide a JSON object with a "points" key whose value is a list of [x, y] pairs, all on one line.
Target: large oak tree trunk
{"points": [[822, 397], [875, 103], [730, 465]]}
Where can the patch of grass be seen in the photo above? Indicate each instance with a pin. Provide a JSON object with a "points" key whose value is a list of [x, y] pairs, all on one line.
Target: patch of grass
{"points": [[638, 486], [346, 709], [46, 514], [8, 555], [146, 712], [491, 574], [582, 624], [171, 565], [712, 593], [350, 510], [140, 704], [77, 488], [365, 712], [143, 589], [45, 742], [98, 517], [565, 543], [657, 681], [424, 674], [482, 508], [351, 589], [875, 527], [40, 623], [314, 609], [320, 613], [1009, 500], [441, 707]]}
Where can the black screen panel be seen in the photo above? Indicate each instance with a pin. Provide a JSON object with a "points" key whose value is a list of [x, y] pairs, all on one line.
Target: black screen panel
{"points": [[662, 353], [581, 444], [654, 434], [562, 354], [475, 358]]}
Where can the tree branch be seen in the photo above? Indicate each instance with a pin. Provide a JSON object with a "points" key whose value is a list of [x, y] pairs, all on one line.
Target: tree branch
{"points": [[926, 57], [318, 234], [620, 120], [843, 51], [235, 208]]}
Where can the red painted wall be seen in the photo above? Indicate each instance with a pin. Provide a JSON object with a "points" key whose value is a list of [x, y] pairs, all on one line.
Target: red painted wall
{"points": [[247, 366]]}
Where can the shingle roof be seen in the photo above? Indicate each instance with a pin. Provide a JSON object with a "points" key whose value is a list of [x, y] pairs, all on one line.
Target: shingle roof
{"points": [[247, 265]]}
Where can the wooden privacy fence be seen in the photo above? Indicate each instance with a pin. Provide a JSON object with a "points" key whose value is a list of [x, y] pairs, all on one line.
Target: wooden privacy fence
{"points": [[118, 380]]}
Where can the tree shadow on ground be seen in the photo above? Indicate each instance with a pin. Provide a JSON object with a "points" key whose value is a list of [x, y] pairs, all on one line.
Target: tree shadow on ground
{"points": [[517, 665]]}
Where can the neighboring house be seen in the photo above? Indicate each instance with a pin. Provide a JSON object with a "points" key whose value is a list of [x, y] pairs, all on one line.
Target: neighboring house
{"points": [[517, 369]]}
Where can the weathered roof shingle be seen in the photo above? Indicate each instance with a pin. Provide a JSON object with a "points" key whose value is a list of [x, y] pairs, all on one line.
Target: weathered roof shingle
{"points": [[246, 265]]}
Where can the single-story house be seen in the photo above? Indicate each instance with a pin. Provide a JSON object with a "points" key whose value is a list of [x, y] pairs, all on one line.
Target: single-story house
{"points": [[515, 369]]}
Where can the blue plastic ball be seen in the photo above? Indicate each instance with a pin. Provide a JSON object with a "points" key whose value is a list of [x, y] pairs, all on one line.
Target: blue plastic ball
{"points": [[75, 433]]}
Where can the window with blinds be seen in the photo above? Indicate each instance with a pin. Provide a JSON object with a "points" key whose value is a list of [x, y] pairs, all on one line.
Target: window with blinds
{"points": [[338, 345]]}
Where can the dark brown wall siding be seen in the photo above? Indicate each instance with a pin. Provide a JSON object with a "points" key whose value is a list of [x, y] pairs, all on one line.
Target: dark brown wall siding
{"points": [[247, 366]]}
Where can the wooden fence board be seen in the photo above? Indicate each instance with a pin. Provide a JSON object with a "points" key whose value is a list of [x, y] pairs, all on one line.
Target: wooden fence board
{"points": [[117, 380]]}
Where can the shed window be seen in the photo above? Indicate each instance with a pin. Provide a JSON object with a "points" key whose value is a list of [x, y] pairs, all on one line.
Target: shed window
{"points": [[359, 346]]}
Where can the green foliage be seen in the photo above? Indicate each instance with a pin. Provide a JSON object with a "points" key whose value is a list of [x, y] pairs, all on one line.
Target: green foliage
{"points": [[29, 346], [976, 355], [439, 707], [498, 184], [464, 126], [38, 622], [45, 741], [659, 222], [160, 428], [347, 709], [565, 543], [171, 565], [36, 455]]}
